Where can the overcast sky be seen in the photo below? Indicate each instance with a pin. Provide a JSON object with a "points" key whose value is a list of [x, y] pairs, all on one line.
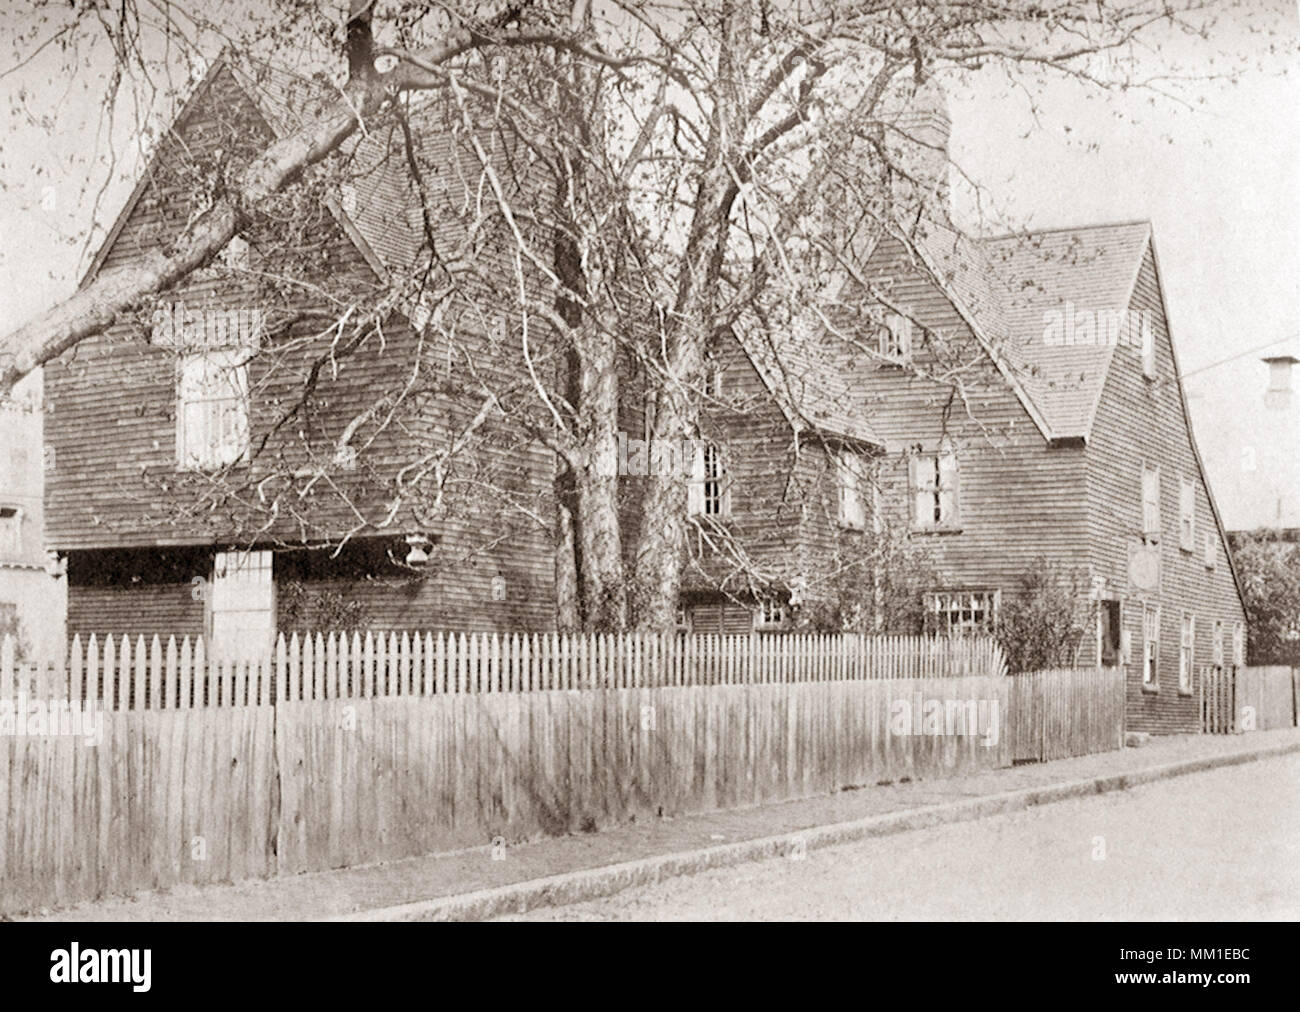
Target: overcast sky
{"points": [[1220, 182]]}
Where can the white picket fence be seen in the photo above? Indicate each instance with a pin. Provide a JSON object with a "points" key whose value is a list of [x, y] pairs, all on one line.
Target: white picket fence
{"points": [[128, 674]]}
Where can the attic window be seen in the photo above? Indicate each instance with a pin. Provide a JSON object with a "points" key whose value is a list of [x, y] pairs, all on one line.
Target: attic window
{"points": [[894, 339], [1148, 353]]}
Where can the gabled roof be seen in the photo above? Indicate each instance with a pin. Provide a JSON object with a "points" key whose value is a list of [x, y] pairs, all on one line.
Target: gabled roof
{"points": [[1007, 286], [811, 390]]}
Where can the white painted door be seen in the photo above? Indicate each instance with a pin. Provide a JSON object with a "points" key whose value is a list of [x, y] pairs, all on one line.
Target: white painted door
{"points": [[241, 607]]}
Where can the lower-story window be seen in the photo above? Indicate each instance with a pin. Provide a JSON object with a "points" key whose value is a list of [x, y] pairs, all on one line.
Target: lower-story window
{"points": [[1151, 646], [1186, 652], [955, 612], [771, 616]]}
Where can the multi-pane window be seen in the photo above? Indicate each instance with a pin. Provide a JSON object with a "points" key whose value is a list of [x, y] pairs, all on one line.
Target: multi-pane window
{"points": [[212, 408], [957, 612], [770, 615], [1151, 502], [895, 338], [1238, 644], [1151, 646], [852, 484], [1211, 549], [708, 493], [1186, 652], [1186, 515], [934, 490], [1217, 644]]}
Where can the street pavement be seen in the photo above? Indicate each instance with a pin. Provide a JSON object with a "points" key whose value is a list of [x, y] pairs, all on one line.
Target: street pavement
{"points": [[1218, 845]]}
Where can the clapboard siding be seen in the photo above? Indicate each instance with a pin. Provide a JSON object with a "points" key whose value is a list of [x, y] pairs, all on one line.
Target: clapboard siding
{"points": [[1021, 499], [111, 418], [159, 610], [1142, 420]]}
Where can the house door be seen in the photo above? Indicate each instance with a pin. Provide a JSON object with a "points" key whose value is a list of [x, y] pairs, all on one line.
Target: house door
{"points": [[241, 607], [1110, 634]]}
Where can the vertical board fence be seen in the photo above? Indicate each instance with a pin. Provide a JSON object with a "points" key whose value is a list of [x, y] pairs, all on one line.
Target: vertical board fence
{"points": [[1059, 713], [339, 750], [1234, 700]]}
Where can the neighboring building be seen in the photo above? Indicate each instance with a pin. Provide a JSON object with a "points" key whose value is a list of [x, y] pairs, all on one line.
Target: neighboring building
{"points": [[31, 592], [173, 515]]}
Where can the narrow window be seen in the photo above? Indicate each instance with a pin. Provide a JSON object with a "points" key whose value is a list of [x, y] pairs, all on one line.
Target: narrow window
{"points": [[850, 481], [1186, 652], [708, 494], [1186, 515], [1238, 644], [1151, 502], [1217, 657], [1151, 646]]}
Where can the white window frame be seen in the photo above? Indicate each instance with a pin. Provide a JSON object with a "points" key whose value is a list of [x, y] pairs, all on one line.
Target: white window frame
{"points": [[1151, 502], [947, 610], [771, 616], [1151, 647], [709, 492], [1148, 351], [894, 339], [212, 429], [935, 487], [1216, 644], [1238, 644], [850, 480], [1187, 653], [1186, 514]]}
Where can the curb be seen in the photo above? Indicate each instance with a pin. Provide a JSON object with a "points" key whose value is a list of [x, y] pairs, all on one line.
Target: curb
{"points": [[594, 883]]}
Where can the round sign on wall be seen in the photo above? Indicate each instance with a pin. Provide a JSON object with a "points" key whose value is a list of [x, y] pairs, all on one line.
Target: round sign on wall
{"points": [[1144, 567]]}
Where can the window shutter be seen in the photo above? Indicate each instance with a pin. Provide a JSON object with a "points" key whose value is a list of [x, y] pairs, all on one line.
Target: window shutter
{"points": [[949, 499], [695, 490], [917, 507], [904, 334]]}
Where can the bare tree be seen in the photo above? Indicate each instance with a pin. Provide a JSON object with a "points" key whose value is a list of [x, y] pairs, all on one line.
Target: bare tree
{"points": [[647, 179]]}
